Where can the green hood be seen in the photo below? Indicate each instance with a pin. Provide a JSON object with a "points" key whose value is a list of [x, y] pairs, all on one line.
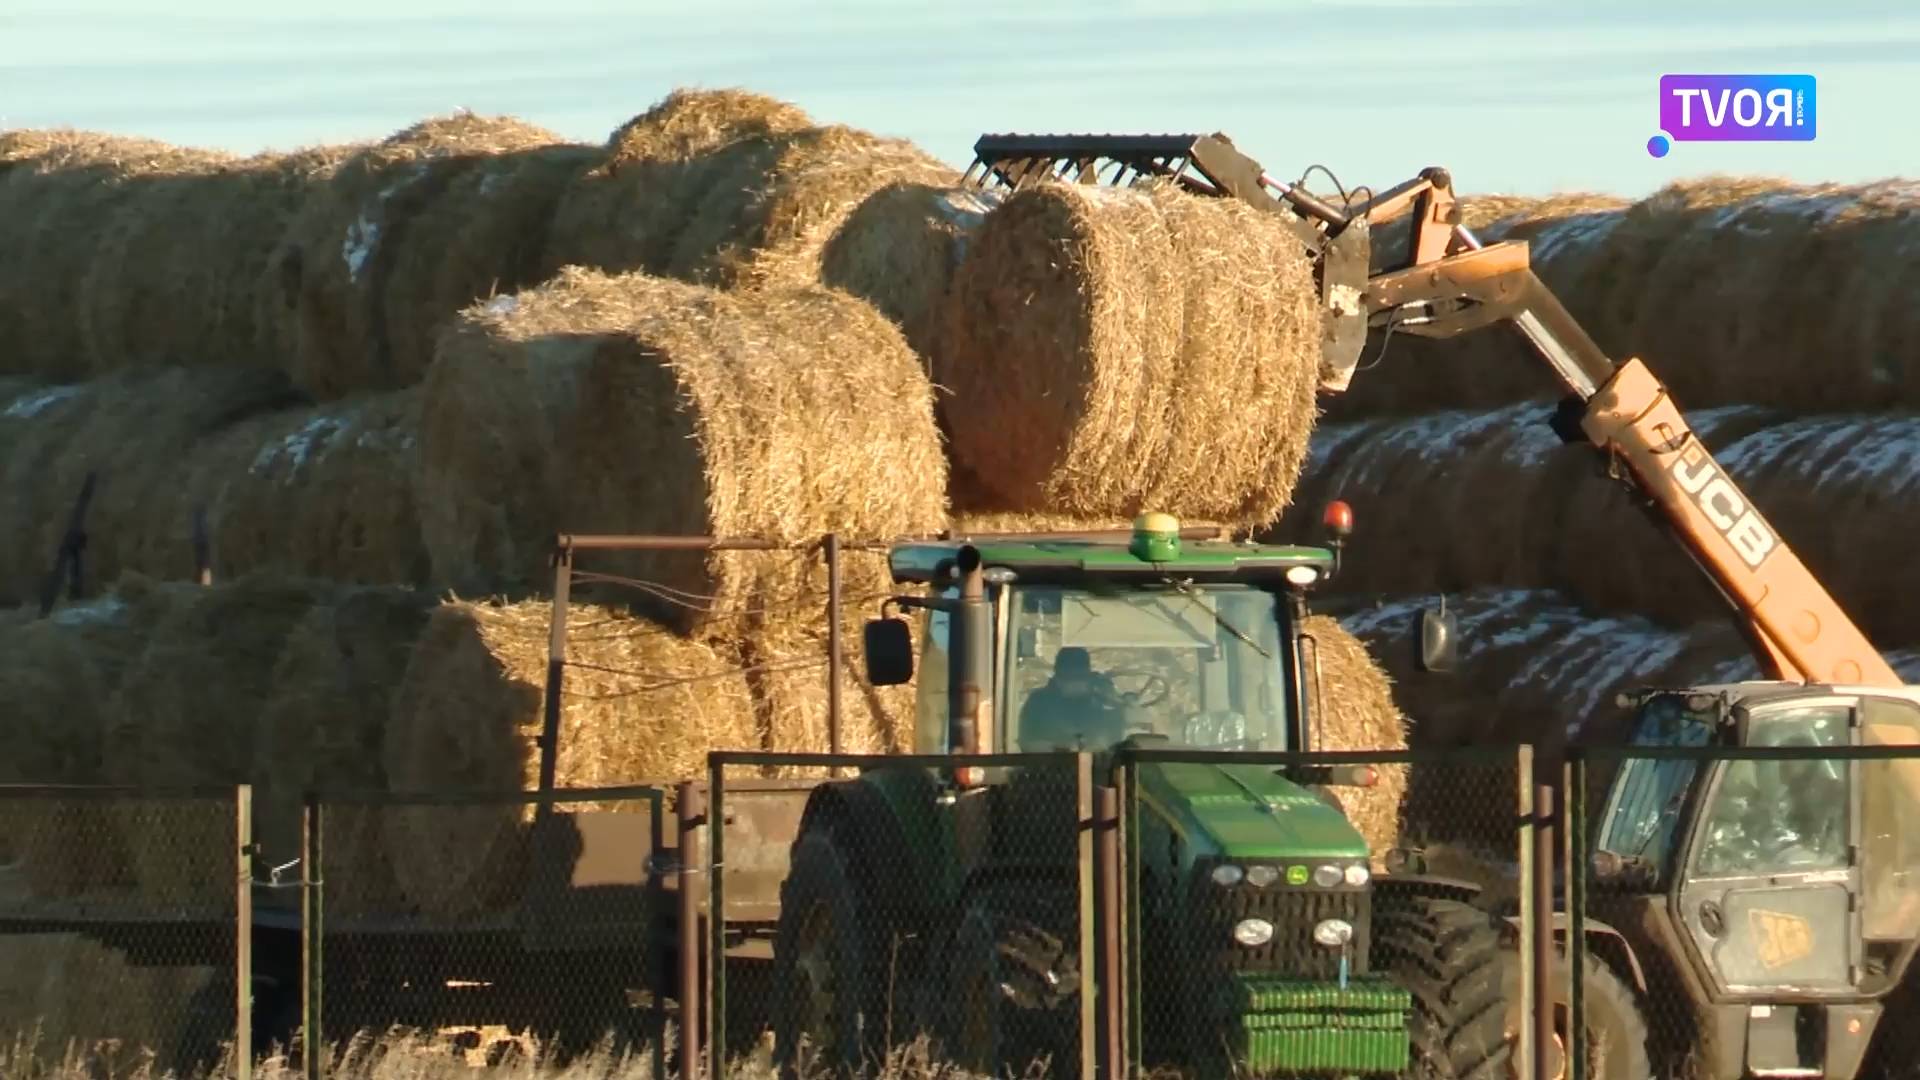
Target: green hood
{"points": [[1247, 812]]}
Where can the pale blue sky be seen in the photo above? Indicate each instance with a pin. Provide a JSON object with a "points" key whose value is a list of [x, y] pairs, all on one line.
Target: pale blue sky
{"points": [[1513, 96]]}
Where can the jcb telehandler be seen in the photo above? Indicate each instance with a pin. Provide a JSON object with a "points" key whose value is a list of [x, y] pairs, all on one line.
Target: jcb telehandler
{"points": [[1779, 910]]}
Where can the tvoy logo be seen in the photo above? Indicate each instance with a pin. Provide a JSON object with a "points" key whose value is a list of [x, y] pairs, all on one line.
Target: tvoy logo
{"points": [[1715, 496], [1733, 108]]}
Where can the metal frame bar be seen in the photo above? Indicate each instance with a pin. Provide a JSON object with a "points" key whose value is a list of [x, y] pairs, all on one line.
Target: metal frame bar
{"points": [[1576, 889], [312, 939], [1530, 917], [688, 811], [243, 932]]}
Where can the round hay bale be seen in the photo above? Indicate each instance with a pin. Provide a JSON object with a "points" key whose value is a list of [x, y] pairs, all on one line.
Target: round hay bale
{"points": [[336, 264], [624, 213], [768, 206], [1114, 343], [180, 272], [132, 430], [188, 714], [324, 729], [59, 194], [640, 705], [324, 491], [898, 251], [1353, 709], [58, 676], [631, 404]]}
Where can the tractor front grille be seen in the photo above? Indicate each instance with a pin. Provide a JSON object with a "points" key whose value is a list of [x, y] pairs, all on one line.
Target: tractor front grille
{"points": [[1293, 911]]}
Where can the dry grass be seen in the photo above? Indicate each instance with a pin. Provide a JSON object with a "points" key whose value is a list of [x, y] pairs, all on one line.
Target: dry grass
{"points": [[641, 704], [632, 404], [72, 1008], [1109, 345], [60, 193], [181, 270], [1354, 709], [188, 714], [336, 266], [323, 728]]}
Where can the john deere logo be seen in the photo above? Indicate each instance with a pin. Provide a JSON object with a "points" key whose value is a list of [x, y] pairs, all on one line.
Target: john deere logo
{"points": [[1296, 875], [1780, 939]]}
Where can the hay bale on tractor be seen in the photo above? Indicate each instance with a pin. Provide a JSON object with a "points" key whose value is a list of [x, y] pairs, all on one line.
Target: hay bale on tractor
{"points": [[179, 272], [624, 212], [1108, 345], [324, 727], [1354, 709], [631, 404], [60, 191], [336, 268], [641, 704], [188, 715]]}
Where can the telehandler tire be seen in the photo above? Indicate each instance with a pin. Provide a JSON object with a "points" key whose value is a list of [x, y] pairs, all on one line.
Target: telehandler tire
{"points": [[1009, 999], [1465, 981], [829, 967]]}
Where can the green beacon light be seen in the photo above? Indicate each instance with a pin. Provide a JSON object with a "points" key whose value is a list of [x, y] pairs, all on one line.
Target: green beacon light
{"points": [[1156, 538]]}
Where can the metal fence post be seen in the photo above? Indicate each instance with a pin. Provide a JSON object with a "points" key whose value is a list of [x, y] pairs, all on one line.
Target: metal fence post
{"points": [[1090, 912], [1529, 915], [243, 933], [688, 811], [1107, 984], [1128, 867], [1575, 815], [716, 919], [312, 937], [1543, 865], [834, 648]]}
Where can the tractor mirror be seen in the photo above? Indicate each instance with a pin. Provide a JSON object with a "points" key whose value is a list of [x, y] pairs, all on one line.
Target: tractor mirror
{"points": [[889, 645], [1439, 640]]}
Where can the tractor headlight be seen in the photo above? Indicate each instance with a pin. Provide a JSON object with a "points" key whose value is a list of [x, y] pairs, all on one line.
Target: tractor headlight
{"points": [[1228, 874], [1262, 876], [1358, 875], [1333, 933], [1253, 933], [1328, 876]]}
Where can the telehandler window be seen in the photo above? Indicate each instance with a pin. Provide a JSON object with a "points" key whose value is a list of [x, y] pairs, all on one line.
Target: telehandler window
{"points": [[1782, 817], [1889, 808]]}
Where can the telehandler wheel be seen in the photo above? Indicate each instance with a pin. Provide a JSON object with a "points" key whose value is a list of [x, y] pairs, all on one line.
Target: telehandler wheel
{"points": [[827, 967], [1010, 998]]}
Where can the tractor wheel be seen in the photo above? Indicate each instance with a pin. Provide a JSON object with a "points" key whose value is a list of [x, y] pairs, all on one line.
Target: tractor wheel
{"points": [[1010, 999], [1465, 981], [830, 1014]]}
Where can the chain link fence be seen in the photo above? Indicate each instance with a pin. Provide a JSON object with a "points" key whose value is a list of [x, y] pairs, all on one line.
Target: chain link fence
{"points": [[1748, 908], [122, 928]]}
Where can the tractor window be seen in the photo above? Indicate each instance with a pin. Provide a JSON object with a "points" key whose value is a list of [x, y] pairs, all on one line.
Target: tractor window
{"points": [[1200, 666], [930, 680], [1648, 795], [1889, 806], [1782, 817]]}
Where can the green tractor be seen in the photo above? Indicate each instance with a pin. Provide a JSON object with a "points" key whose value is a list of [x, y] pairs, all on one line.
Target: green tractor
{"points": [[946, 902]]}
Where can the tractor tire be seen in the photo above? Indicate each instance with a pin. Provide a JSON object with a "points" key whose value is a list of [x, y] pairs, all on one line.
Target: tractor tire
{"points": [[1465, 981], [1010, 996], [829, 967]]}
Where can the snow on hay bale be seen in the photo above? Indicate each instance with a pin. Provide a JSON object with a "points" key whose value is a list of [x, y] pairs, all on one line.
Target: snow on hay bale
{"points": [[631, 404], [323, 728], [641, 704], [624, 212], [188, 715], [336, 267], [179, 274], [1108, 346], [59, 192]]}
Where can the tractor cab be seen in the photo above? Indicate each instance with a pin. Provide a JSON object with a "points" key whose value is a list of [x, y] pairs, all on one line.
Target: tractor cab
{"points": [[1777, 876]]}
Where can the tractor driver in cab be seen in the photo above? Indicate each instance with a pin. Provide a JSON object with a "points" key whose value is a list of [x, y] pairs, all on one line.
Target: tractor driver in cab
{"points": [[1077, 709]]}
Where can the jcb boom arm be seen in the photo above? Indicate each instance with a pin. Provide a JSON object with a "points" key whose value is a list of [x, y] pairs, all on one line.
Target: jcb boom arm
{"points": [[1795, 626], [1448, 283]]}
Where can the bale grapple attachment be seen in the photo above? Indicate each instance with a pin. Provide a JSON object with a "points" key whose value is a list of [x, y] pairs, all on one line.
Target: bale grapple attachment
{"points": [[1337, 238]]}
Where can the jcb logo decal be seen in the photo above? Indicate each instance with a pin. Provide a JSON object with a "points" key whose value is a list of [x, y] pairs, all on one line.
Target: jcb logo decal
{"points": [[1780, 939], [1709, 489]]}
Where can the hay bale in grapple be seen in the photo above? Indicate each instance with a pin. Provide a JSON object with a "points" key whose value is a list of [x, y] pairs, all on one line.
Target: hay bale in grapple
{"points": [[624, 213], [899, 249], [1108, 347], [59, 193], [1353, 709], [640, 705], [188, 715], [631, 404], [58, 676], [179, 275], [324, 727], [133, 430], [335, 268]]}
